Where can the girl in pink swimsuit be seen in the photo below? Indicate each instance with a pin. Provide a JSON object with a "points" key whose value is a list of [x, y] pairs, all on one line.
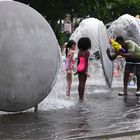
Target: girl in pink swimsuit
{"points": [[84, 44], [70, 48]]}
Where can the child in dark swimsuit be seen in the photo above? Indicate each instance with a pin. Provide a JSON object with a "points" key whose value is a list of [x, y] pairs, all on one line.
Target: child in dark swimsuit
{"points": [[84, 44]]}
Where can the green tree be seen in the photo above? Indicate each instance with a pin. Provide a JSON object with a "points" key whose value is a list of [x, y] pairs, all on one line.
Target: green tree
{"points": [[105, 10]]}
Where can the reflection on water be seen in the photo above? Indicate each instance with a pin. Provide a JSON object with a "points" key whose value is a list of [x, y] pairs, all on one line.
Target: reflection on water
{"points": [[60, 118], [102, 113]]}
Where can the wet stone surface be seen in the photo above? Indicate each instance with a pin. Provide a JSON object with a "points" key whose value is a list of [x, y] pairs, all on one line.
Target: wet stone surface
{"points": [[103, 112]]}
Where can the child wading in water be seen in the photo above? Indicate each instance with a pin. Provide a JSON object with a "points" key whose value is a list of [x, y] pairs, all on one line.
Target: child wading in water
{"points": [[84, 44], [70, 48]]}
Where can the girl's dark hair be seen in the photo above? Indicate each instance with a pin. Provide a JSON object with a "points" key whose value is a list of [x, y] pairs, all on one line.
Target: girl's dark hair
{"points": [[119, 39], [84, 43], [69, 45]]}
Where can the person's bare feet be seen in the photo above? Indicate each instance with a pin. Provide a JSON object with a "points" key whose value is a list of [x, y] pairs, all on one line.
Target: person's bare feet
{"points": [[137, 93], [122, 94]]}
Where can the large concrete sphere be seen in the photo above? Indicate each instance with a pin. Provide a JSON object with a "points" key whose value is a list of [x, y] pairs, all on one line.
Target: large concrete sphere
{"points": [[29, 57]]}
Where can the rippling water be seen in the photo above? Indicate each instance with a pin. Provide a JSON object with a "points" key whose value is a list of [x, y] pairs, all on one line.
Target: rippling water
{"points": [[61, 118]]}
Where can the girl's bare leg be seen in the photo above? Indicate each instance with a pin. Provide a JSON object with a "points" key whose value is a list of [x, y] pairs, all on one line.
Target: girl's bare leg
{"points": [[81, 87], [69, 83]]}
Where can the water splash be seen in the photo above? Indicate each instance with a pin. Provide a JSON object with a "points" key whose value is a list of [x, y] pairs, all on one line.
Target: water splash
{"points": [[57, 98]]}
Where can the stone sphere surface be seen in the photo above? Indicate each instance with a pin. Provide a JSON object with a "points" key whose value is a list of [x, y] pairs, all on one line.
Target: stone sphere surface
{"points": [[29, 57]]}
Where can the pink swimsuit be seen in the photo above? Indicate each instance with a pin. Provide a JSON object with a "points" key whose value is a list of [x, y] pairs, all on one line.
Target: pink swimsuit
{"points": [[69, 64], [82, 61], [82, 65]]}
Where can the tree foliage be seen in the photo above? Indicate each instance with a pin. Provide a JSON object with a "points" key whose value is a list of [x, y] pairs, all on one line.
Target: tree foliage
{"points": [[57, 9], [105, 10]]}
